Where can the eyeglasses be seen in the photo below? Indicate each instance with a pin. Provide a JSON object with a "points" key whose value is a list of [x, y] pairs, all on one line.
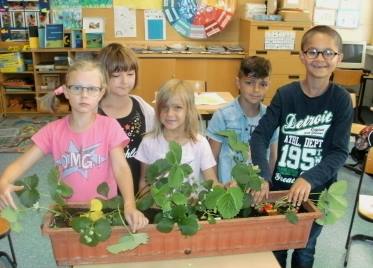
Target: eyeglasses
{"points": [[78, 90], [313, 53]]}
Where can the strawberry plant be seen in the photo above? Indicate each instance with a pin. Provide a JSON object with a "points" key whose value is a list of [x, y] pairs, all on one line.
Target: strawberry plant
{"points": [[93, 224]]}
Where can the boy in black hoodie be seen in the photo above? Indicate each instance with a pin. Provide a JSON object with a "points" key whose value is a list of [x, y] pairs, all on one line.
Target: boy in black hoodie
{"points": [[314, 117]]}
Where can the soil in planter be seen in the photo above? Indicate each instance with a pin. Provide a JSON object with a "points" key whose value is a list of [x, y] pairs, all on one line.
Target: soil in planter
{"points": [[60, 221]]}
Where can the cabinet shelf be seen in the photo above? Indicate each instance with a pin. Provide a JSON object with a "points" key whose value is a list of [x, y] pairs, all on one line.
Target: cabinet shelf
{"points": [[19, 92]]}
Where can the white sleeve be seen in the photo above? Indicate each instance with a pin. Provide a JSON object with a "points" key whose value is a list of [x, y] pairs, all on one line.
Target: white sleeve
{"points": [[142, 153], [206, 156]]}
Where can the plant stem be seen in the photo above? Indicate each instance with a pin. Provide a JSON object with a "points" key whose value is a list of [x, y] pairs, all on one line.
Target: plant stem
{"points": [[123, 222]]}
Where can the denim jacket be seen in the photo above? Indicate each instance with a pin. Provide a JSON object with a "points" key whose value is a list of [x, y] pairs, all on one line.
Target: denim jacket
{"points": [[232, 117]]}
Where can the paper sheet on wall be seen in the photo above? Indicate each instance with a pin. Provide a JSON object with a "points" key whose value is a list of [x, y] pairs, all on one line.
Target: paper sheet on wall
{"points": [[323, 16], [136, 4], [331, 4], [348, 19], [349, 4], [284, 40], [155, 25], [124, 22]]}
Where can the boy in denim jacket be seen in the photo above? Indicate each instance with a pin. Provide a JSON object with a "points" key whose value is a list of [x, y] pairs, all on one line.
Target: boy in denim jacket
{"points": [[241, 115]]}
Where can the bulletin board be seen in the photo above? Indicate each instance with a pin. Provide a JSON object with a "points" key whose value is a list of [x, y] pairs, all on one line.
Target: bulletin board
{"points": [[229, 35]]}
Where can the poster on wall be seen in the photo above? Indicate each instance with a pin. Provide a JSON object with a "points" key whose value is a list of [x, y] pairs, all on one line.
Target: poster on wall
{"points": [[124, 22], [155, 25]]}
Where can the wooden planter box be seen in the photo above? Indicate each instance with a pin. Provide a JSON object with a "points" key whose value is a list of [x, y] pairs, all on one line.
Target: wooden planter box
{"points": [[232, 236]]}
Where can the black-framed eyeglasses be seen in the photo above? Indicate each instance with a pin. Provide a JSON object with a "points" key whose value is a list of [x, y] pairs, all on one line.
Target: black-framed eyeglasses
{"points": [[313, 53], [78, 89]]}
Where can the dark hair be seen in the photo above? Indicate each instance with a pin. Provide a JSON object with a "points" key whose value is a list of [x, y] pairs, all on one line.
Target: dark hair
{"points": [[323, 29], [255, 66], [118, 58]]}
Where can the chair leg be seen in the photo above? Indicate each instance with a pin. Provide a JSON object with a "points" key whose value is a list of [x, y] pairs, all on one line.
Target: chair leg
{"points": [[348, 246], [353, 238], [12, 261]]}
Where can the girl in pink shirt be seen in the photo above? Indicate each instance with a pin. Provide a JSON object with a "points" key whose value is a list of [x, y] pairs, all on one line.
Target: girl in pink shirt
{"points": [[86, 147]]}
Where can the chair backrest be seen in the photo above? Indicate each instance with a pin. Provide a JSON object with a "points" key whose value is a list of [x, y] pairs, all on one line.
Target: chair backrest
{"points": [[198, 86], [368, 168], [346, 77]]}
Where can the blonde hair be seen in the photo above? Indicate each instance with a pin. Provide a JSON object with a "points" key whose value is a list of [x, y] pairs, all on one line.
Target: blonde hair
{"points": [[50, 101], [118, 58], [184, 91]]}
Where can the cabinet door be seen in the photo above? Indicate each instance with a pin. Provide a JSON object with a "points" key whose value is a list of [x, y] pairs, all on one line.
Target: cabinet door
{"points": [[282, 62], [191, 69], [278, 80], [153, 72], [221, 75]]}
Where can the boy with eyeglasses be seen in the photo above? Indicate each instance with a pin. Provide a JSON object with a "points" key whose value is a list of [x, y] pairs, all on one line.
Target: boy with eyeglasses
{"points": [[314, 117], [241, 115]]}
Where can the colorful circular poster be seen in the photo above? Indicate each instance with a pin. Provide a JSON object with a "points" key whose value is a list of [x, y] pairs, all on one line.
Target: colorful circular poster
{"points": [[199, 19]]}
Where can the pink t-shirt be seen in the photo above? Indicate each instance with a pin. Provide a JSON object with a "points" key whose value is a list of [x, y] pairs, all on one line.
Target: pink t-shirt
{"points": [[83, 158]]}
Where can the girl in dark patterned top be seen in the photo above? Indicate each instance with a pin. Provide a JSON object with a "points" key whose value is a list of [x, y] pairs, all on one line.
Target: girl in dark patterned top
{"points": [[132, 112]]}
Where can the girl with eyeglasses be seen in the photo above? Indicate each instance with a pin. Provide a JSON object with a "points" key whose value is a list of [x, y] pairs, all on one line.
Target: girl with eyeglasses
{"points": [[314, 117], [86, 147]]}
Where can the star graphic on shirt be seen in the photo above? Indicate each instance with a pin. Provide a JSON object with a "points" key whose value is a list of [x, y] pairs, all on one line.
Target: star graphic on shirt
{"points": [[75, 160]]}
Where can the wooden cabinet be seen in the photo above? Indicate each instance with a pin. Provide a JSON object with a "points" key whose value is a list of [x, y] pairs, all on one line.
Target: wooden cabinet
{"points": [[218, 71], [286, 65]]}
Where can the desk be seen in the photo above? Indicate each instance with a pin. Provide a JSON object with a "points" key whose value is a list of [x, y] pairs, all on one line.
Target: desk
{"points": [[206, 110], [361, 95], [356, 128], [257, 260]]}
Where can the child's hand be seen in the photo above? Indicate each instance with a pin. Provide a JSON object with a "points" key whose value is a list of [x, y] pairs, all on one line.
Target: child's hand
{"points": [[231, 183], [259, 195], [135, 219], [6, 198], [299, 191]]}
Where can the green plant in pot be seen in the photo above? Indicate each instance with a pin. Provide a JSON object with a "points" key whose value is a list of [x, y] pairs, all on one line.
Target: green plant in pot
{"points": [[177, 200]]}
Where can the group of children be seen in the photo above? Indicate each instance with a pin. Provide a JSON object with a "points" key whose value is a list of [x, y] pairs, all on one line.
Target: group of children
{"points": [[299, 142]]}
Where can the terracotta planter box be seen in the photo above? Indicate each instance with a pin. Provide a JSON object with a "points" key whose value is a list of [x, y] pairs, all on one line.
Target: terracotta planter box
{"points": [[233, 236]]}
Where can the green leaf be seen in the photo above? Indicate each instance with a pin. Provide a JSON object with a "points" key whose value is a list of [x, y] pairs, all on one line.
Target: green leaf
{"points": [[176, 177], [230, 204], [128, 242], [189, 226], [187, 169], [235, 144], [103, 189], [159, 167], [179, 213], [165, 225], [10, 214], [64, 190], [29, 197], [328, 218], [213, 196], [175, 149], [53, 177], [338, 188], [291, 216], [145, 202], [179, 199], [80, 224], [113, 203], [29, 182], [102, 229]]}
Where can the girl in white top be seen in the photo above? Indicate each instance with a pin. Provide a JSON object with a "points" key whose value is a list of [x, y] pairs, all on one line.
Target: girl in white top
{"points": [[177, 120]]}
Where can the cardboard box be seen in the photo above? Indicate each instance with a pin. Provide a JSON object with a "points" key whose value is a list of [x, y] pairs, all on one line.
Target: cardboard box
{"points": [[295, 15], [290, 4]]}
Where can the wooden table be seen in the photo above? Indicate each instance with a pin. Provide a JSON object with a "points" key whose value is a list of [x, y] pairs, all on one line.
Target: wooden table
{"points": [[257, 260], [208, 109], [356, 128]]}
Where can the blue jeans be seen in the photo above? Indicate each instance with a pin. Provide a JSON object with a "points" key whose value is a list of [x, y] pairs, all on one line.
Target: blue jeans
{"points": [[302, 257]]}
